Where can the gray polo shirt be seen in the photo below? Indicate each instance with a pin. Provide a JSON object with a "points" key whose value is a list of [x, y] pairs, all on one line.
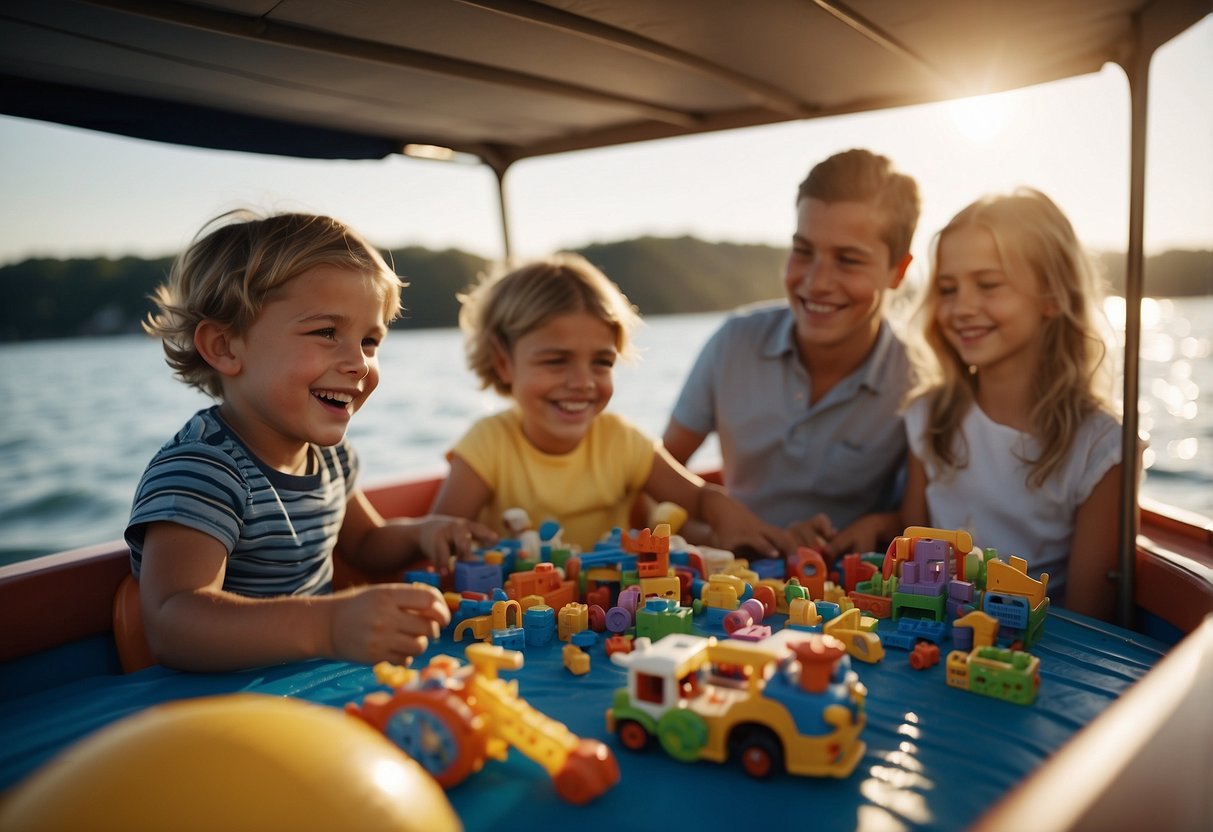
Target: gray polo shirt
{"points": [[783, 458]]}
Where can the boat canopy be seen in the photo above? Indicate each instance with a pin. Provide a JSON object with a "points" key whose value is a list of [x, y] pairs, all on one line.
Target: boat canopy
{"points": [[503, 80], [510, 79]]}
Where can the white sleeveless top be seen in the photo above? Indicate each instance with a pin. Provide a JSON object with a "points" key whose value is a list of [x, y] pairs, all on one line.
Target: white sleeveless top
{"points": [[991, 499]]}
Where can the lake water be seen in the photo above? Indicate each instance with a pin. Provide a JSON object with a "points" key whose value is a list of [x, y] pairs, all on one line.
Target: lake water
{"points": [[84, 416]]}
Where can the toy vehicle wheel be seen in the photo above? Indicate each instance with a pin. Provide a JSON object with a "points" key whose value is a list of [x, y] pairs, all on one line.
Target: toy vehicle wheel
{"points": [[632, 735], [589, 771], [760, 752], [442, 735], [682, 734]]}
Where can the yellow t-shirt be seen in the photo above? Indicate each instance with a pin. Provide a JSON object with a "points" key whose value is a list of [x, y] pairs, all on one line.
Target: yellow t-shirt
{"points": [[589, 491]]}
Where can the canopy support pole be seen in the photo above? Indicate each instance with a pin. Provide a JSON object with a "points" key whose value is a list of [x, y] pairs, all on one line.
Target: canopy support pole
{"points": [[1138, 72]]}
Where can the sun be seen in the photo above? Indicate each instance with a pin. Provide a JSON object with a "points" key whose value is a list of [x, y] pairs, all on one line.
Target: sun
{"points": [[980, 118]]}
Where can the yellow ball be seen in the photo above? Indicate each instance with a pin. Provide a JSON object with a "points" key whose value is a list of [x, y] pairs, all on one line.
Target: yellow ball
{"points": [[244, 761]]}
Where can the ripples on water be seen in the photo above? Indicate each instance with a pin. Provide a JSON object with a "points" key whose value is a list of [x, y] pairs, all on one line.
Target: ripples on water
{"points": [[84, 416]]}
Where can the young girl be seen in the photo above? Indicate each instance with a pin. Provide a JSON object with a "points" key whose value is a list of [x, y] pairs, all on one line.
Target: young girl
{"points": [[235, 520], [547, 335], [1011, 441]]}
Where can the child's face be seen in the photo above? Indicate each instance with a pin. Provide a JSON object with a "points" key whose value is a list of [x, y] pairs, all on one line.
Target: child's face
{"points": [[306, 365], [991, 317], [836, 275], [561, 376]]}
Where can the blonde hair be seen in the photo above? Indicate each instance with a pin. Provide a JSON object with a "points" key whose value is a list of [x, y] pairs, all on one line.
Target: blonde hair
{"points": [[506, 305], [863, 176], [227, 273], [1030, 234]]}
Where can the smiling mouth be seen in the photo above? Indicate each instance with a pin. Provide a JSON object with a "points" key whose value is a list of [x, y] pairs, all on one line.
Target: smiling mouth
{"points": [[572, 407], [333, 398], [818, 308], [972, 333]]}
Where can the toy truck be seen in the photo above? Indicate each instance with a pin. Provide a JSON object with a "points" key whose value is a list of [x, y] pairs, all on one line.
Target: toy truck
{"points": [[788, 703]]}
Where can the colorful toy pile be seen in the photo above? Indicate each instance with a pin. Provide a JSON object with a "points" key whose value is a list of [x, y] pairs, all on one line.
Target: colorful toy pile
{"points": [[709, 676]]}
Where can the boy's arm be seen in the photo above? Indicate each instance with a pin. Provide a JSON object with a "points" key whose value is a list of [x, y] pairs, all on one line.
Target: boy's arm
{"points": [[377, 545], [681, 441], [736, 527], [191, 623], [1095, 550], [463, 493]]}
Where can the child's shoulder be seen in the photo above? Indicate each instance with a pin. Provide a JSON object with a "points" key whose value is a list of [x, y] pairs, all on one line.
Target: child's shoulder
{"points": [[1101, 427], [203, 439]]}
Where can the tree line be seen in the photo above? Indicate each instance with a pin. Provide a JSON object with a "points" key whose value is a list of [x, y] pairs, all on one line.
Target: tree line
{"points": [[51, 298]]}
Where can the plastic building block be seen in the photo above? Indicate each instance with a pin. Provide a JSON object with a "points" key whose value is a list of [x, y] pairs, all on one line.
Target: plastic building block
{"points": [[544, 581], [511, 638], [802, 614], [576, 660], [500, 614], [724, 591], [754, 632], [652, 551], [660, 618], [856, 635], [809, 567], [477, 577], [667, 587], [912, 630], [1011, 578], [935, 605], [924, 655], [583, 639], [975, 629], [1010, 675], [539, 625], [618, 644], [572, 618], [749, 613]]}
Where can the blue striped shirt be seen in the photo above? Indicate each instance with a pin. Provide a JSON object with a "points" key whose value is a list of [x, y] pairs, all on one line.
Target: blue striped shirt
{"points": [[279, 529]]}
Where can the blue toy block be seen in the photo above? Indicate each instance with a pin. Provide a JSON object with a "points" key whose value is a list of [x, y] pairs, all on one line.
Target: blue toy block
{"points": [[768, 568], [910, 630], [713, 617], [539, 625], [511, 638], [584, 638], [1010, 610], [421, 576], [478, 577]]}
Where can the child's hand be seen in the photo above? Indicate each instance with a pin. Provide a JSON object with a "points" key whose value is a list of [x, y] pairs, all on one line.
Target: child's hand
{"points": [[386, 622], [740, 531], [870, 533], [442, 538], [816, 532]]}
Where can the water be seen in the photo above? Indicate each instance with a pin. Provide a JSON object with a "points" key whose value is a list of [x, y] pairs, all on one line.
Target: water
{"points": [[84, 416]]}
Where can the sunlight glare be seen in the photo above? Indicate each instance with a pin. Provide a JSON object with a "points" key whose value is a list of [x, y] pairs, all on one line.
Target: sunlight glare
{"points": [[981, 118]]}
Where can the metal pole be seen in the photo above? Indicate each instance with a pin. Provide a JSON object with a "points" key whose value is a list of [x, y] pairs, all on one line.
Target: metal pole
{"points": [[507, 250], [1138, 72]]}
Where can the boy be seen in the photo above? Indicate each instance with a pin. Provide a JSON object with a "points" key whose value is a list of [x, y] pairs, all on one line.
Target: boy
{"points": [[235, 519], [805, 395]]}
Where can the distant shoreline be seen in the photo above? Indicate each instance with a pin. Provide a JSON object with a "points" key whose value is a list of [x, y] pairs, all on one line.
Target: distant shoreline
{"points": [[52, 299]]}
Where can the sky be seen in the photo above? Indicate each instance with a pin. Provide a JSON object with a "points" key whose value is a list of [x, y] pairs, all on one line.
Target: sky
{"points": [[66, 192]]}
